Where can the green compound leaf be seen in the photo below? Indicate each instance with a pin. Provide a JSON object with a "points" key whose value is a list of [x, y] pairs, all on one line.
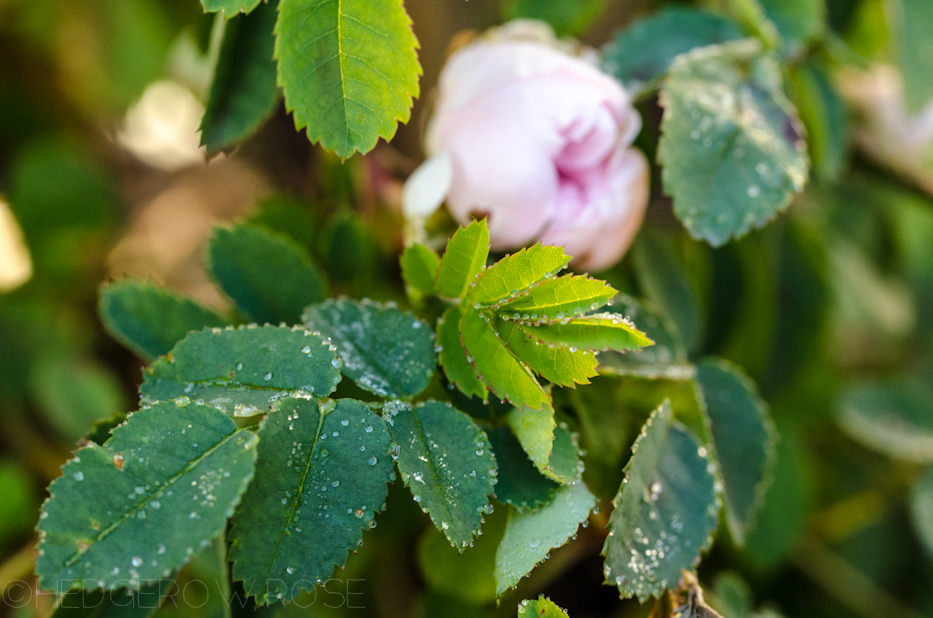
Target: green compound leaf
{"points": [[520, 484], [516, 273], [149, 319], [349, 69], [559, 297], [557, 363], [743, 437], [268, 275], [463, 260], [447, 463], [497, 368], [665, 511], [892, 418], [599, 331], [453, 358], [535, 432], [229, 7], [642, 53], [667, 358], [530, 535], [732, 146], [419, 268], [921, 510], [386, 351], [322, 474], [243, 93], [542, 608], [138, 507], [243, 371]]}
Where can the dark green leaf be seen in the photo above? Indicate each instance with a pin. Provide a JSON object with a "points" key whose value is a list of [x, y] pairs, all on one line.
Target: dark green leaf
{"points": [[824, 114], [321, 476], [504, 374], [384, 350], [644, 52], [244, 371], [743, 437], [447, 463], [519, 482], [349, 70], [516, 273], [268, 275], [135, 509], [453, 358], [732, 147], [243, 94], [463, 260], [289, 216], [891, 418], [419, 268], [665, 511], [921, 509], [530, 535], [149, 319]]}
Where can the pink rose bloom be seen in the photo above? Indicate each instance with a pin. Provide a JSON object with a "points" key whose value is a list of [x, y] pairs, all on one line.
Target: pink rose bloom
{"points": [[537, 139]]}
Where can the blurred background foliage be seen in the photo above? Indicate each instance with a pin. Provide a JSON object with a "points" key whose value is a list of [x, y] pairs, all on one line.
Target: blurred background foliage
{"points": [[829, 308]]}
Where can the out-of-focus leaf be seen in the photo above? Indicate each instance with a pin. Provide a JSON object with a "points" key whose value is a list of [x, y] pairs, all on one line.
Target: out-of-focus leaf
{"points": [[349, 249], [530, 535], [419, 268], [244, 371], [519, 482], [74, 393], [891, 418], [289, 216], [123, 513], [913, 25], [665, 283], [349, 70], [743, 437], [321, 477], [565, 16], [120, 603], [665, 512], [384, 350], [643, 52], [18, 507], [463, 260], [453, 358], [564, 465], [243, 93], [447, 463], [732, 147], [268, 275], [921, 508], [150, 319], [824, 114], [231, 8], [799, 22]]}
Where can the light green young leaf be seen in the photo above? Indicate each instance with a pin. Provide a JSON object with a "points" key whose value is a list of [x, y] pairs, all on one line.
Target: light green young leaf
{"points": [[463, 260], [665, 511], [743, 437], [535, 432], [384, 350], [149, 319], [243, 93], [447, 463], [231, 8], [505, 375], [531, 535], [419, 268], [542, 608], [643, 52], [559, 297], [453, 358], [599, 331], [564, 465], [243, 371], [519, 481], [732, 147], [349, 69], [555, 362], [913, 22], [125, 512], [517, 272], [891, 418], [269, 276], [322, 474]]}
